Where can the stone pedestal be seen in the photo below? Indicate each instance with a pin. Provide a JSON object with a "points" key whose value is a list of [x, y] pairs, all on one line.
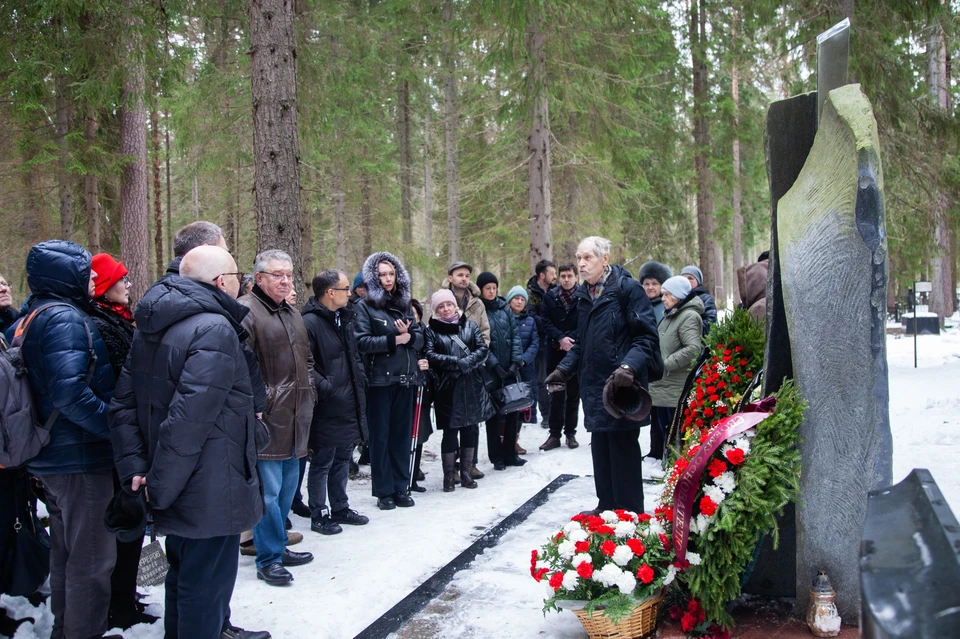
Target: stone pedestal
{"points": [[832, 249]]}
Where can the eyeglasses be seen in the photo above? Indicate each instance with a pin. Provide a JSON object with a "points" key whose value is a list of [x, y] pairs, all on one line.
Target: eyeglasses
{"points": [[239, 276], [279, 276], [334, 288]]}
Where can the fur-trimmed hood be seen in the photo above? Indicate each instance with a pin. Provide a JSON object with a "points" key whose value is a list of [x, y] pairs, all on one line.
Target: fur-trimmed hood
{"points": [[376, 296]]}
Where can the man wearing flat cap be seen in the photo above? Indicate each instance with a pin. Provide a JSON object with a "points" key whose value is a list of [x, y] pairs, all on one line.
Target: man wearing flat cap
{"points": [[467, 295]]}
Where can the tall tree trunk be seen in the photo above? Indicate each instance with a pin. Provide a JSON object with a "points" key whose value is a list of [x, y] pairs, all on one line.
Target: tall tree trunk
{"points": [[427, 185], [942, 297], [157, 207], [64, 179], [276, 147], [406, 172], [134, 249], [229, 222], [701, 140], [450, 128], [366, 214], [307, 243], [339, 219], [91, 195], [538, 148], [195, 193], [572, 200], [166, 134], [34, 209], [737, 215]]}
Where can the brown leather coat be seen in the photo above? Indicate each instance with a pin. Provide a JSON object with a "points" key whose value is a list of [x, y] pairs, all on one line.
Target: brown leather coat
{"points": [[279, 340]]}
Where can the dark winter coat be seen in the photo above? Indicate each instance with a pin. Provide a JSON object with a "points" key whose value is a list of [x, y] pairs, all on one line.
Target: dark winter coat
{"points": [[278, 338], [183, 414], [339, 417], [7, 318], [616, 328], [56, 354], [535, 296], [470, 305], [709, 306], [505, 346], [529, 343], [752, 281], [117, 334], [557, 323], [657, 304], [459, 397], [387, 363]]}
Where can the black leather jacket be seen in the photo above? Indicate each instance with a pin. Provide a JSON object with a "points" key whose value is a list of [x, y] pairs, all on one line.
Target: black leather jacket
{"points": [[386, 362]]}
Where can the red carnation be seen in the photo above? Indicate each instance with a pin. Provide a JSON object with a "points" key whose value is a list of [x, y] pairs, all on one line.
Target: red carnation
{"points": [[716, 468], [707, 506], [608, 548], [644, 517], [636, 546], [668, 513], [699, 423], [735, 456], [556, 580], [578, 517], [748, 375], [606, 530], [726, 359], [711, 390], [681, 565], [738, 349], [594, 522], [735, 379], [704, 436], [665, 541], [699, 393], [645, 574], [540, 573], [687, 622], [721, 385], [681, 465], [708, 412], [716, 632], [582, 546], [720, 347], [728, 352], [559, 537], [728, 394], [722, 410], [743, 362], [676, 612], [623, 515], [585, 569], [693, 450]]}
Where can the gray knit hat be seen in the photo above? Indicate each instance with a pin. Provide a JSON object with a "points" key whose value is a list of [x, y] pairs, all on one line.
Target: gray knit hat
{"points": [[678, 286], [693, 270]]}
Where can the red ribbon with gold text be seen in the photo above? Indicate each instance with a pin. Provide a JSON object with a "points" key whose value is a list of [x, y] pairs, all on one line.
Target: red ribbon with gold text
{"points": [[689, 482]]}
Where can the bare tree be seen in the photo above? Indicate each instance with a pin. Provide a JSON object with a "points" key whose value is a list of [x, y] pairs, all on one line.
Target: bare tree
{"points": [[942, 297]]}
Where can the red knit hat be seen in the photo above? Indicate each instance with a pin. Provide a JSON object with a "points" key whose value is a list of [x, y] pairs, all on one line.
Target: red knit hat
{"points": [[109, 271]]}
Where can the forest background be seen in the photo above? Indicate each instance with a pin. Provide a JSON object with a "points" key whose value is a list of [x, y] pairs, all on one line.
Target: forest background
{"points": [[497, 132]]}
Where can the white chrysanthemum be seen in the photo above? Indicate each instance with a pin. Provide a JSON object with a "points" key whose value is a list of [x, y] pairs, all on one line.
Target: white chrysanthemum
{"points": [[571, 527], [702, 522], [689, 400], [578, 535], [671, 575], [542, 564], [622, 555], [632, 515], [566, 549], [722, 367], [725, 482], [656, 528], [744, 444], [625, 529], [693, 558], [713, 492], [580, 558], [726, 448], [608, 575], [570, 579], [719, 403], [548, 588], [609, 517], [626, 583]]}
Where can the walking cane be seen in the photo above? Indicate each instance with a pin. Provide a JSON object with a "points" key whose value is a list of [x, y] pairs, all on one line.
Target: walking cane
{"points": [[416, 433]]}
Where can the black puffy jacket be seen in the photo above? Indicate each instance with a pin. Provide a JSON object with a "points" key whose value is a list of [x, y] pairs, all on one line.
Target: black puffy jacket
{"points": [[505, 347], [459, 398], [56, 353], [386, 362], [183, 413], [616, 328], [710, 306], [339, 417], [116, 332]]}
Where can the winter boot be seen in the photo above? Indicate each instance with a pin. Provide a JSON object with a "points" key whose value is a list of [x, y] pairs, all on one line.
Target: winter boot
{"points": [[449, 473], [466, 480]]}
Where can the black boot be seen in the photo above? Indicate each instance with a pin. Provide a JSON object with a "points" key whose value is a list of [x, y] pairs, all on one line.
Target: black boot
{"points": [[466, 465], [449, 472]]}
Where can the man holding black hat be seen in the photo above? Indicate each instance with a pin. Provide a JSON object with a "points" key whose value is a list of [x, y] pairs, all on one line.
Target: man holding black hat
{"points": [[467, 295], [617, 353]]}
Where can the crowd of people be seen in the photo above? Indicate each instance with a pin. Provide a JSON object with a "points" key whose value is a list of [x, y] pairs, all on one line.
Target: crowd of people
{"points": [[201, 411]]}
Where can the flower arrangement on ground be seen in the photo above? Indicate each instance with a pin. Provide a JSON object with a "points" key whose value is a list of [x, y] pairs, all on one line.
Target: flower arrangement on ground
{"points": [[609, 561], [736, 473]]}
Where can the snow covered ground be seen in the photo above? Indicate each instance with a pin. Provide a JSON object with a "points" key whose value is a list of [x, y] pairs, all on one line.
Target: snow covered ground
{"points": [[363, 572]]}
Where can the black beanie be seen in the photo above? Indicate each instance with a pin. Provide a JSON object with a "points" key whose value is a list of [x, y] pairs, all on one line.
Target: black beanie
{"points": [[487, 278]]}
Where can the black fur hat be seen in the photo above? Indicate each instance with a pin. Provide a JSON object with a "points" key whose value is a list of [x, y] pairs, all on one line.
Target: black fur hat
{"points": [[631, 402], [656, 270]]}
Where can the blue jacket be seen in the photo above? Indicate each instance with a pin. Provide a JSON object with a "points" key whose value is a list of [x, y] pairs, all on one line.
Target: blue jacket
{"points": [[504, 338], [529, 337], [56, 353]]}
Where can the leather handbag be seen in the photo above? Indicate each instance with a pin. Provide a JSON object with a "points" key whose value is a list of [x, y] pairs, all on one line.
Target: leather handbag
{"points": [[511, 398], [26, 560]]}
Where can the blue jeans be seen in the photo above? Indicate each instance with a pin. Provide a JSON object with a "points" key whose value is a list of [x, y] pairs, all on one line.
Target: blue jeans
{"points": [[279, 480]]}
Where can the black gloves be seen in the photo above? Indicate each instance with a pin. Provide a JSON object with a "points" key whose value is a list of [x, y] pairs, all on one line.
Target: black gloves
{"points": [[556, 381], [463, 365], [501, 373], [623, 377], [514, 367]]}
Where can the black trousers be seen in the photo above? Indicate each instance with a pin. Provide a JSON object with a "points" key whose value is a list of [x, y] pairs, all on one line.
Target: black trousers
{"points": [[617, 471], [543, 397], [123, 580], [469, 437], [565, 409], [660, 419], [390, 424], [506, 449], [199, 585]]}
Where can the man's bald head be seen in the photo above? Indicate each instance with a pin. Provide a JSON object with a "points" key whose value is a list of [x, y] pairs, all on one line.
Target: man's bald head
{"points": [[211, 265]]}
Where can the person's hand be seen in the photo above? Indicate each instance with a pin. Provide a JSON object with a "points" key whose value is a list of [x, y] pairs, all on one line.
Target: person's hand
{"points": [[514, 367], [556, 381], [423, 364], [403, 338], [463, 365], [623, 377], [402, 327], [499, 370], [566, 343], [260, 416], [137, 482]]}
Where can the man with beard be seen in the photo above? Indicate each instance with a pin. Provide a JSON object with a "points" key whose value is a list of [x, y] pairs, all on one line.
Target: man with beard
{"points": [[544, 278]]}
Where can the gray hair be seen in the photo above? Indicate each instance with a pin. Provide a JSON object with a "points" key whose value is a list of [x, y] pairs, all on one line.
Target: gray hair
{"points": [[599, 245], [260, 264], [195, 234]]}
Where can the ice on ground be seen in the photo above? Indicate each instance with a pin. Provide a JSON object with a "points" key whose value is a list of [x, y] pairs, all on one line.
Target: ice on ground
{"points": [[361, 573]]}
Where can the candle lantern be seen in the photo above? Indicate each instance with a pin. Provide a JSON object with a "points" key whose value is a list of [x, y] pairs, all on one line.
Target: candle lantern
{"points": [[822, 616]]}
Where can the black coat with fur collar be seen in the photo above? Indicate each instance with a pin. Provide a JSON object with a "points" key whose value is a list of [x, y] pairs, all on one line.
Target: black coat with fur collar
{"points": [[386, 362], [460, 398]]}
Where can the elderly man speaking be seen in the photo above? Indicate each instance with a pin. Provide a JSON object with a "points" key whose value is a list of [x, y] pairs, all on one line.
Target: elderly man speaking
{"points": [[618, 345]]}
